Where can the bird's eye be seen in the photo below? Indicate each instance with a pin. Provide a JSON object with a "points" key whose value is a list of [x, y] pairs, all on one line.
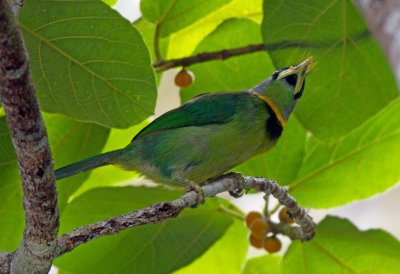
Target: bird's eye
{"points": [[291, 80]]}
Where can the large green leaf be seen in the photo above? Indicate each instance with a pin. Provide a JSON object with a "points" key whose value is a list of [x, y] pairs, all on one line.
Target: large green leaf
{"points": [[238, 73], [219, 258], [88, 62], [184, 42], [172, 15], [352, 80], [112, 175], [72, 141], [268, 264], [363, 164], [159, 248], [11, 212], [339, 247], [281, 163]]}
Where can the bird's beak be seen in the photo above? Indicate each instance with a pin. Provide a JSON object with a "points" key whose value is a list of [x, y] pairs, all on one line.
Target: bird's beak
{"points": [[301, 70]]}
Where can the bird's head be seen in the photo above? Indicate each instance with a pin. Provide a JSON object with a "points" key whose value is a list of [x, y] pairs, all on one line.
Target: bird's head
{"points": [[284, 88]]}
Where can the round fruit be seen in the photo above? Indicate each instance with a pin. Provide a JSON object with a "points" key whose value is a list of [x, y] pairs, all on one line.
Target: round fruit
{"points": [[253, 215], [272, 244], [257, 243], [259, 228], [284, 216], [183, 79]]}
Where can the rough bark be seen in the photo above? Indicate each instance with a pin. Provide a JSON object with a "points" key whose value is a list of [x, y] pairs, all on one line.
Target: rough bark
{"points": [[29, 137], [383, 19], [162, 211]]}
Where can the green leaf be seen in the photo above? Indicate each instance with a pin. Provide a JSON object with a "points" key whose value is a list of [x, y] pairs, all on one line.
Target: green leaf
{"points": [[184, 42], [351, 81], [11, 212], [173, 15], [363, 164], [88, 62], [268, 264], [110, 2], [237, 73], [339, 247], [159, 248], [281, 163], [112, 175], [218, 258], [72, 141]]}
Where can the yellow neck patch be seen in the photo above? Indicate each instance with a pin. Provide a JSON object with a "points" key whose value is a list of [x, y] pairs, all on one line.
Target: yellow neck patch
{"points": [[273, 106]]}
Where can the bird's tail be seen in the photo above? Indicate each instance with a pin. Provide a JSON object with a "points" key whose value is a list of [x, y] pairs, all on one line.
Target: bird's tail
{"points": [[87, 164]]}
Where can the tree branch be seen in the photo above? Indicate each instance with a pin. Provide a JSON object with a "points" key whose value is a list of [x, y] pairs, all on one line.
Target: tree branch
{"points": [[162, 65], [162, 211], [383, 18], [28, 133], [207, 56]]}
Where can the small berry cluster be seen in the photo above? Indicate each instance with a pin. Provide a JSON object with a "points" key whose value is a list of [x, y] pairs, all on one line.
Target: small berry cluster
{"points": [[260, 230]]}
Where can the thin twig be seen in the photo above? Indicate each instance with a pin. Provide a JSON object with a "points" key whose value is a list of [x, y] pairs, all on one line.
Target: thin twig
{"points": [[28, 132], [162, 211], [162, 65], [207, 56]]}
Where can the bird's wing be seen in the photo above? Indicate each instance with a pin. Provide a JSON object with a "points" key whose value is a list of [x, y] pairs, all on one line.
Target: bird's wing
{"points": [[211, 108]]}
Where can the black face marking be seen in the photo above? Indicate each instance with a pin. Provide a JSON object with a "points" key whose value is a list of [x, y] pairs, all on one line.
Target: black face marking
{"points": [[291, 80], [273, 126], [298, 94]]}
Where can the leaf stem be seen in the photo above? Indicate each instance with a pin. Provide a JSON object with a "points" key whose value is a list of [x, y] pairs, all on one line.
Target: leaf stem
{"points": [[231, 212], [157, 43], [275, 209]]}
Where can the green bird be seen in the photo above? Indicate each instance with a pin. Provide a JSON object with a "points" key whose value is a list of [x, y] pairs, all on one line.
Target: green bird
{"points": [[210, 134]]}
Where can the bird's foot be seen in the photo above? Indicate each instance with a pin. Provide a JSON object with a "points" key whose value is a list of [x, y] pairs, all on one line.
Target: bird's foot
{"points": [[237, 193], [192, 186]]}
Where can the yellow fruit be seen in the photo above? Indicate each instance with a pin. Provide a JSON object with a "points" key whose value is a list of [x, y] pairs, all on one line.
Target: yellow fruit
{"points": [[253, 215], [183, 79], [259, 228], [272, 244], [257, 243], [284, 216]]}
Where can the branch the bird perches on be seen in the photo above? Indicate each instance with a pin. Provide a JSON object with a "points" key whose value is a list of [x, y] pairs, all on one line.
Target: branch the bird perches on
{"points": [[162, 211]]}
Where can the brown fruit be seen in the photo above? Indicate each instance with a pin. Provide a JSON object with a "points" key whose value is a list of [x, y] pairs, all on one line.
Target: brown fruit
{"points": [[272, 244], [253, 215], [183, 79], [259, 228], [284, 216], [257, 243]]}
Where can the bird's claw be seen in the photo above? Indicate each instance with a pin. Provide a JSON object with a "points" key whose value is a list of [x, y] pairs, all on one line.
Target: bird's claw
{"points": [[237, 193], [200, 193]]}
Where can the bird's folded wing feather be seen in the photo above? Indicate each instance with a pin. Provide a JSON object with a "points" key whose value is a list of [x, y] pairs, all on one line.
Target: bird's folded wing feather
{"points": [[211, 108]]}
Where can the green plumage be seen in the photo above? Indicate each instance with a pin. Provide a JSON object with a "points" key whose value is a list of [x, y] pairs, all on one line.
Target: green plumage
{"points": [[203, 138]]}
